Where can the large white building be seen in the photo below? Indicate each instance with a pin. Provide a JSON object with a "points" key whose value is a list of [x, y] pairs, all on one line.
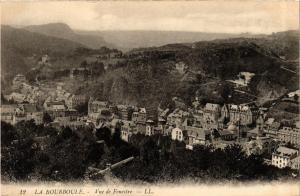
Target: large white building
{"points": [[283, 157]]}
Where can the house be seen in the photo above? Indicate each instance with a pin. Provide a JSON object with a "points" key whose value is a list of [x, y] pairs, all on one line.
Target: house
{"points": [[127, 129], [198, 116], [181, 67], [54, 106], [77, 100], [178, 134], [7, 113], [245, 114], [62, 122], [28, 89], [95, 106], [162, 126], [197, 135], [139, 118], [227, 135], [211, 114], [33, 113], [80, 73], [150, 127], [295, 163], [66, 114], [164, 113], [258, 131], [19, 115], [177, 117], [289, 134], [271, 127], [16, 97], [260, 145], [179, 103], [124, 112], [283, 156], [18, 80]]}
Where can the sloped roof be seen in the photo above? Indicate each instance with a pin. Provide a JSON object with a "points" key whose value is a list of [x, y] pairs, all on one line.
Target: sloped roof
{"points": [[196, 132], [286, 151], [212, 106], [142, 110], [30, 108], [270, 121], [8, 108]]}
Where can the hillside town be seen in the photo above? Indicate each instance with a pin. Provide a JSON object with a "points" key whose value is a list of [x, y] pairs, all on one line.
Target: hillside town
{"points": [[247, 125]]}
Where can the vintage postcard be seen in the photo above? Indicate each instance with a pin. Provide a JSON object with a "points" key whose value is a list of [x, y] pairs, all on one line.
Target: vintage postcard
{"points": [[146, 98]]}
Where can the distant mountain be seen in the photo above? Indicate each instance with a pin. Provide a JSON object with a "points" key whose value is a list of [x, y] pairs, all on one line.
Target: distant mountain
{"points": [[127, 40], [19, 45], [62, 30]]}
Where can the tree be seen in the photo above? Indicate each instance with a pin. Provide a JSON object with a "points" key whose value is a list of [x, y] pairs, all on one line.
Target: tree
{"points": [[116, 138], [8, 133], [83, 64], [26, 129], [47, 118], [67, 133], [104, 134], [296, 97], [82, 108]]}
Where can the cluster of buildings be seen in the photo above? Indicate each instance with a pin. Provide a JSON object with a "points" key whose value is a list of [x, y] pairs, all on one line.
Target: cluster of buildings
{"points": [[15, 113], [213, 124], [24, 92]]}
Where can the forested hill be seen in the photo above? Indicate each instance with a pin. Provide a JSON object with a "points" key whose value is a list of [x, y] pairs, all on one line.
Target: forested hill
{"points": [[148, 76], [18, 44]]}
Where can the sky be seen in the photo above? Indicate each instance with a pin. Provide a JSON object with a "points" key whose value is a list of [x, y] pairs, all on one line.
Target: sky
{"points": [[200, 16]]}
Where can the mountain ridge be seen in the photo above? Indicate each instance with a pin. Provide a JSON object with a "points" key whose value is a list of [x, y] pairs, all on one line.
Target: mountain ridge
{"points": [[62, 30]]}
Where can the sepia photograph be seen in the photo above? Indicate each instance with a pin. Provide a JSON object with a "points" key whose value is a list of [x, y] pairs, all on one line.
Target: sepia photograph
{"points": [[146, 98]]}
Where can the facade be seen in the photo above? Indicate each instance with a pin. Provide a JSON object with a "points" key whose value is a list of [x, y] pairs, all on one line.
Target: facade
{"points": [[197, 135], [16, 97], [289, 134], [177, 117], [125, 112], [18, 80], [295, 163], [150, 128], [54, 105], [161, 127], [127, 129], [283, 156], [245, 114], [77, 100], [178, 134], [95, 106], [181, 67], [7, 113], [271, 127], [139, 116], [80, 73], [33, 113], [211, 115], [15, 113], [260, 145], [198, 116]]}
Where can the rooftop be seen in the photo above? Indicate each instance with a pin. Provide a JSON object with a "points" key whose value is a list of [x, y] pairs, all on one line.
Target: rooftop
{"points": [[284, 151]]}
